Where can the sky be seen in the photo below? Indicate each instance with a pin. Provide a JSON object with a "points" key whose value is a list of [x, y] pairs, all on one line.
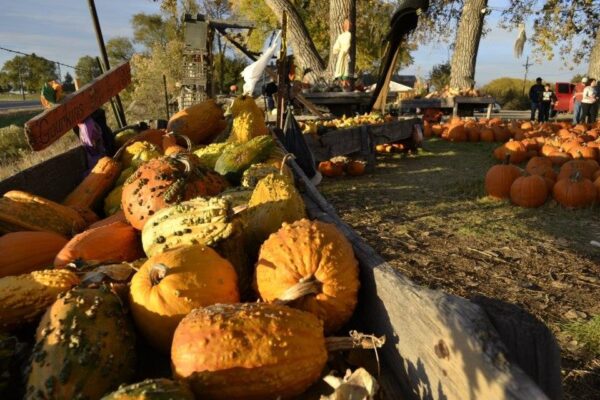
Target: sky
{"points": [[62, 30]]}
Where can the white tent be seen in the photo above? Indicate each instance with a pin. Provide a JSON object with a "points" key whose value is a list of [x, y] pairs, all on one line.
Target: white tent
{"points": [[394, 87]]}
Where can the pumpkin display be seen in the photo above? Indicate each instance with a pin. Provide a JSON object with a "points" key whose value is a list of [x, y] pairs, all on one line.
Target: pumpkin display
{"points": [[575, 191], [18, 257], [529, 191], [85, 347], [22, 211], [90, 192], [311, 264], [170, 284], [330, 169], [152, 389], [356, 168], [248, 351], [499, 179], [235, 160], [23, 298], [275, 200], [201, 123], [113, 243], [248, 120], [165, 181]]}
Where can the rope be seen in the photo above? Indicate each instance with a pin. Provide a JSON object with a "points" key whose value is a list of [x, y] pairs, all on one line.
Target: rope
{"points": [[44, 58]]}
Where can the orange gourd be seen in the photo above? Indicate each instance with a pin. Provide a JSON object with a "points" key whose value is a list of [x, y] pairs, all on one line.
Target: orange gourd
{"points": [[529, 191], [24, 252], [94, 187], [575, 191]]}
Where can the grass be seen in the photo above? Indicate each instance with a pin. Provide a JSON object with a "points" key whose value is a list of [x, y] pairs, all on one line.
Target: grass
{"points": [[18, 97], [587, 333], [16, 118]]}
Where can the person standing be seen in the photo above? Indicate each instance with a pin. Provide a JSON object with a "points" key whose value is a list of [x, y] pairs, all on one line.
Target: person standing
{"points": [[341, 50], [535, 96], [577, 96], [548, 101], [589, 102]]}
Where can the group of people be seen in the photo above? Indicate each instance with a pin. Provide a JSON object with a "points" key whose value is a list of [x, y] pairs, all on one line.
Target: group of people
{"points": [[585, 101]]}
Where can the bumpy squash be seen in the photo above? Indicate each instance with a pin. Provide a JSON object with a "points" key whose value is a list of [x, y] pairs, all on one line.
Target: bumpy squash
{"points": [[248, 120], [166, 181], [255, 173], [152, 389], [201, 122], [235, 160], [208, 155], [171, 284], [125, 174], [236, 196], [24, 298], [24, 252], [248, 351], [90, 192], [275, 200], [315, 254], [112, 243], [112, 202], [85, 347], [196, 221], [22, 211], [138, 153]]}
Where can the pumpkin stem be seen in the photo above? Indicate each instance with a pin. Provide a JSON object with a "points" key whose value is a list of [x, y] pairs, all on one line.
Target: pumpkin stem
{"points": [[304, 287], [157, 273], [576, 176], [188, 142], [288, 156], [356, 340]]}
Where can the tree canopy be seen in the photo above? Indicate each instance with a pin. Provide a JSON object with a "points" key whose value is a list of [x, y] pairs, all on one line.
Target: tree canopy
{"points": [[32, 70], [119, 49], [87, 69]]}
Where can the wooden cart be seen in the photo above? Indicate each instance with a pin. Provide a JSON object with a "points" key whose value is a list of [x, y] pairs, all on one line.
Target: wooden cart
{"points": [[460, 105]]}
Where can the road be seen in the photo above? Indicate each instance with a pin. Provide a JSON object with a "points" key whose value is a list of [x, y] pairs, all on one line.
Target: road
{"points": [[20, 105]]}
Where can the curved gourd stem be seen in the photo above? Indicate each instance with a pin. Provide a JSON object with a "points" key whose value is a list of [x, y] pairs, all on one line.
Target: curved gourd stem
{"points": [[356, 340], [287, 156], [157, 273], [303, 288], [188, 142]]}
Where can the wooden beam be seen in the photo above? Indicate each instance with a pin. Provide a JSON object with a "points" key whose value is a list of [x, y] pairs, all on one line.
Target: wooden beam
{"points": [[45, 128]]}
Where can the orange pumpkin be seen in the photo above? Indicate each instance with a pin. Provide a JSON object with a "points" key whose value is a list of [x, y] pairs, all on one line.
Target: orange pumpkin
{"points": [[311, 264], [559, 158], [427, 131], [597, 185], [472, 131], [536, 164], [112, 243], [457, 132], [588, 153], [575, 191], [486, 134], [516, 150], [24, 252], [328, 168], [171, 284], [529, 191], [585, 167], [499, 179], [501, 134], [355, 168]]}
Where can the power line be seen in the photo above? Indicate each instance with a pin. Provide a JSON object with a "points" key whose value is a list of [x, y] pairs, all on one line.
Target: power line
{"points": [[44, 58]]}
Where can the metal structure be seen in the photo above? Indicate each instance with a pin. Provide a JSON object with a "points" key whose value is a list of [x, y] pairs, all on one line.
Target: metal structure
{"points": [[196, 62]]}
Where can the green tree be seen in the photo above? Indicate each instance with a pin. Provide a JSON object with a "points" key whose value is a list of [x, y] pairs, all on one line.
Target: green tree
{"points": [[577, 78], [119, 49], [439, 77], [149, 29], [87, 69], [31, 70], [67, 84], [511, 93], [5, 83]]}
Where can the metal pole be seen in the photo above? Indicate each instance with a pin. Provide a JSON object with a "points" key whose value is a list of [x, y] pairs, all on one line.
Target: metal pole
{"points": [[119, 106], [166, 96], [21, 80]]}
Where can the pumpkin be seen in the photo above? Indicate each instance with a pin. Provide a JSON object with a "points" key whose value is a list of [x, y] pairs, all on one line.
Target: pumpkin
{"points": [[529, 191], [356, 168], [596, 175], [153, 136], [328, 168], [312, 265], [548, 149], [235, 160], [486, 134], [597, 185], [119, 216], [85, 347], [274, 200], [171, 146], [152, 389], [25, 297], [472, 131], [516, 150], [499, 179], [559, 158], [165, 181], [248, 351], [24, 252], [171, 284], [112, 243], [248, 120], [501, 134], [585, 152], [536, 164], [22, 211], [437, 129], [575, 191], [457, 132], [201, 123], [427, 131], [585, 167], [90, 192], [526, 126]]}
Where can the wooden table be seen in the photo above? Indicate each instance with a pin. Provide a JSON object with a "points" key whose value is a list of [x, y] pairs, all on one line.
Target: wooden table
{"points": [[453, 103], [340, 103]]}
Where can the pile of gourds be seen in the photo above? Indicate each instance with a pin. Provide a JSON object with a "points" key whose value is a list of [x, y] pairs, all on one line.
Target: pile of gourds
{"points": [[340, 165], [196, 238], [344, 122]]}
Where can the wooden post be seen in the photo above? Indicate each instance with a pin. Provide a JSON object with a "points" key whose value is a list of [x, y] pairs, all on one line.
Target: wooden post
{"points": [[455, 108], [489, 111], [282, 74]]}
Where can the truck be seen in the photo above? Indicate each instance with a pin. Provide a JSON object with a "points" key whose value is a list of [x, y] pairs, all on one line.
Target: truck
{"points": [[564, 94]]}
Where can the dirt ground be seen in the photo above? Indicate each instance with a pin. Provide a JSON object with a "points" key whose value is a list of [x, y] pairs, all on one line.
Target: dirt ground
{"points": [[428, 216]]}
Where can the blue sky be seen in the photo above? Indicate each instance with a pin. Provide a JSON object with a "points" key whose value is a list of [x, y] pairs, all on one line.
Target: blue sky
{"points": [[62, 30]]}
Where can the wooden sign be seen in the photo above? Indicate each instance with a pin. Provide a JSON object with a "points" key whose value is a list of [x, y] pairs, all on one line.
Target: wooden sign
{"points": [[45, 128]]}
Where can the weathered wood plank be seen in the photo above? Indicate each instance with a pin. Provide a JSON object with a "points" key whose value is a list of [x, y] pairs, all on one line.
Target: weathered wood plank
{"points": [[438, 346], [43, 129]]}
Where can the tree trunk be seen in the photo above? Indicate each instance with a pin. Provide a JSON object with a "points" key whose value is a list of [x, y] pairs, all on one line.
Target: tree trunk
{"points": [[305, 52], [339, 10], [466, 45], [594, 65]]}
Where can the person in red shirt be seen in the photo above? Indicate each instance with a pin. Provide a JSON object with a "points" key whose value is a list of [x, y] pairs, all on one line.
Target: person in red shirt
{"points": [[577, 97]]}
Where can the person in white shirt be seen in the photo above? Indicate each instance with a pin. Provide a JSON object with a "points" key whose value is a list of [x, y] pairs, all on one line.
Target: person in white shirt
{"points": [[589, 101], [341, 49]]}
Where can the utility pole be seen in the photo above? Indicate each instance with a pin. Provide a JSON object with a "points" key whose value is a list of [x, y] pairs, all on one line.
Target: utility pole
{"points": [[526, 65]]}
